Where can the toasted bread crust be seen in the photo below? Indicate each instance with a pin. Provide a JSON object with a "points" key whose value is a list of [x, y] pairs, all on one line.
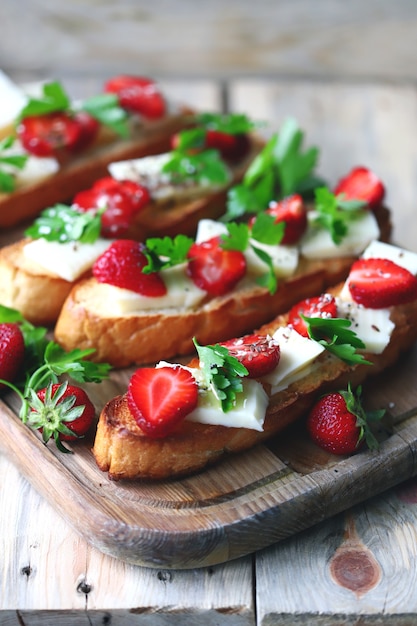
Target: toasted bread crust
{"points": [[122, 450], [152, 336], [81, 172]]}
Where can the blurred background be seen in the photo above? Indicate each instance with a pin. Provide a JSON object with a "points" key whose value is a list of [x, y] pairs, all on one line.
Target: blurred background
{"points": [[345, 70]]}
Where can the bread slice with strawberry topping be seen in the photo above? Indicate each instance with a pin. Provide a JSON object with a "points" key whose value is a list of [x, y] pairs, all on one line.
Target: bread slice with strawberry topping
{"points": [[232, 278], [234, 411]]}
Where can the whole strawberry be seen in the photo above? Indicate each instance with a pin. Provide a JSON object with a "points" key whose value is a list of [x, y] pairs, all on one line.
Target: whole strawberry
{"points": [[60, 411], [12, 350], [339, 424]]}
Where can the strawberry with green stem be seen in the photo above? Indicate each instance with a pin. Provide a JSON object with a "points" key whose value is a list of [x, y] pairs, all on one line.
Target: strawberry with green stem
{"points": [[45, 363]]}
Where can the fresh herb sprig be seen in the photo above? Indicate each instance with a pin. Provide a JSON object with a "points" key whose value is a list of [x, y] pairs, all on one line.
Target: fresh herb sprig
{"points": [[46, 361], [165, 252], [230, 123], [335, 213], [280, 169], [205, 168], [104, 107], [336, 336], [222, 372], [62, 223], [9, 165]]}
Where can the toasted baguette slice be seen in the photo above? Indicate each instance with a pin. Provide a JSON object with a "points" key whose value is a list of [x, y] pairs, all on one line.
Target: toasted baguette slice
{"points": [[148, 336], [82, 171], [125, 452]]}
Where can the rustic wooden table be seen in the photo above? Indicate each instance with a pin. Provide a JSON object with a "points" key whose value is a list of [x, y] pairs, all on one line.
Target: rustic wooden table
{"points": [[357, 567]]}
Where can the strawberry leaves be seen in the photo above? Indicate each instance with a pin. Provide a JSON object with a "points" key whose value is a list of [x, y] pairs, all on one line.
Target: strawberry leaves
{"points": [[222, 373]]}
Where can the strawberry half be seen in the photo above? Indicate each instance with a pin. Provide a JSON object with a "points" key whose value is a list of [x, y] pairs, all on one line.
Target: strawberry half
{"points": [[293, 212], [56, 133], [12, 352], [260, 354], [138, 95], [379, 283], [213, 268], [339, 424], [61, 411], [123, 199], [160, 398], [361, 184], [318, 306], [121, 265]]}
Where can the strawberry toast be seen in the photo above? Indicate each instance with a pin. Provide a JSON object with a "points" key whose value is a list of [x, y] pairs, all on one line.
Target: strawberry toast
{"points": [[146, 301], [55, 147], [176, 419]]}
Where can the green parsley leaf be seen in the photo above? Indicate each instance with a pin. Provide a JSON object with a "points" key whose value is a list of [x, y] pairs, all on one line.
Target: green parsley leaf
{"points": [[191, 139], [230, 123], [265, 230], [237, 237], [334, 214], [165, 252], [269, 279], [106, 109], [222, 373], [280, 169], [335, 335], [62, 223], [12, 162], [205, 168], [53, 99]]}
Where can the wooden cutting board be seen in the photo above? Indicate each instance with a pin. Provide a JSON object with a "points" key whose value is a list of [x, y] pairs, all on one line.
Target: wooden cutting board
{"points": [[244, 503]]}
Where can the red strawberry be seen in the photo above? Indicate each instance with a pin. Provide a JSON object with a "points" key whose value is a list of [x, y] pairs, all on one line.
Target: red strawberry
{"points": [[231, 147], [121, 265], [338, 423], [361, 184], [213, 268], [12, 351], [258, 353], [122, 199], [293, 212], [55, 133], [159, 398], [137, 95], [380, 283], [318, 306], [61, 411]]}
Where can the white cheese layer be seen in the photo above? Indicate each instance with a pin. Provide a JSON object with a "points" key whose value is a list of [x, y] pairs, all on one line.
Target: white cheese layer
{"points": [[296, 358], [12, 99], [317, 242], [147, 171], [35, 168], [372, 326], [66, 260], [404, 258], [182, 293]]}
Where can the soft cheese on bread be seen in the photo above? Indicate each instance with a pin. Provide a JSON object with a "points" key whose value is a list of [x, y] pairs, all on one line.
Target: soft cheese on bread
{"points": [[125, 451]]}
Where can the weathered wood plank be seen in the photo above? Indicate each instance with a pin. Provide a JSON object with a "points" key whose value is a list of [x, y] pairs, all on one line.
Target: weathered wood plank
{"points": [[216, 39]]}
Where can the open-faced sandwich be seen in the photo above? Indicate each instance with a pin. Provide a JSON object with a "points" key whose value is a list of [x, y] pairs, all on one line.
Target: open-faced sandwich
{"points": [[147, 300], [52, 147], [175, 419]]}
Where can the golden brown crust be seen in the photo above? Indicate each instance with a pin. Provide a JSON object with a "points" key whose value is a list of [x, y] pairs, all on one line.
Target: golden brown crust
{"points": [[122, 450], [38, 296], [152, 336], [80, 173]]}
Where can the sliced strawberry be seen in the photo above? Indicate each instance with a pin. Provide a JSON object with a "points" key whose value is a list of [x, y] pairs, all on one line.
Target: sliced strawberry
{"points": [[379, 283], [89, 130], [258, 353], [138, 95], [123, 199], [12, 351], [121, 265], [48, 135], [361, 184], [213, 268], [159, 398], [293, 212], [318, 306], [231, 147]]}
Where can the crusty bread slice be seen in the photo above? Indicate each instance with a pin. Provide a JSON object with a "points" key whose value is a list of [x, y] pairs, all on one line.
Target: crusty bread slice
{"points": [[82, 171], [124, 451], [148, 336]]}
